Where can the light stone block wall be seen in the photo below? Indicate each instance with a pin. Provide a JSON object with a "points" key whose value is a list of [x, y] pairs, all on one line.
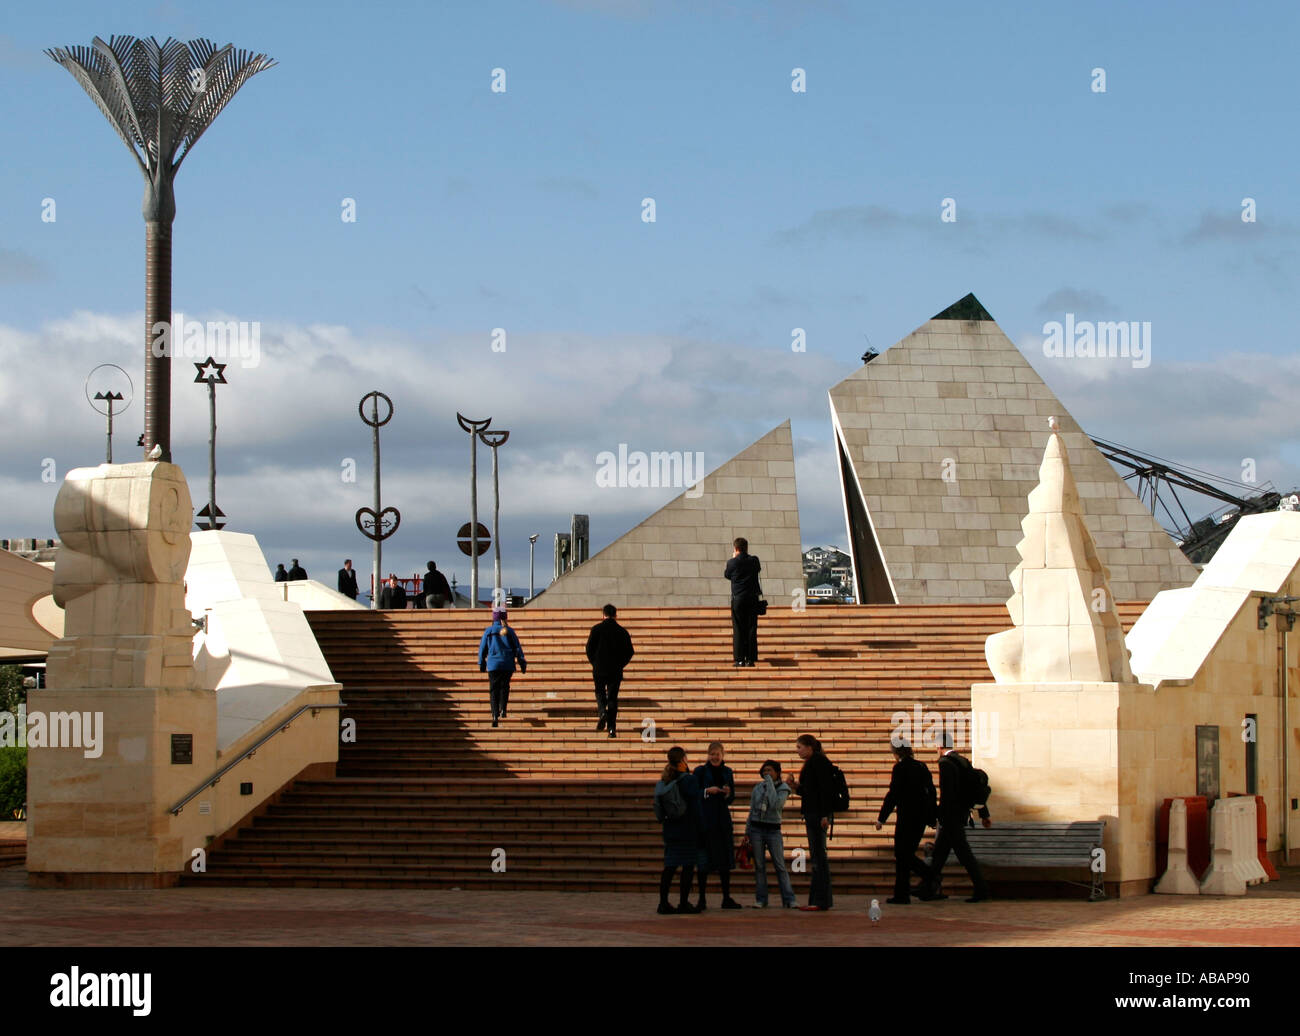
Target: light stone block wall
{"points": [[1116, 751], [676, 556], [257, 665], [960, 391]]}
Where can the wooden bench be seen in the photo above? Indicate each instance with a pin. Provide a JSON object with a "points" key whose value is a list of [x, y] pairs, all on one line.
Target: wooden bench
{"points": [[1043, 844]]}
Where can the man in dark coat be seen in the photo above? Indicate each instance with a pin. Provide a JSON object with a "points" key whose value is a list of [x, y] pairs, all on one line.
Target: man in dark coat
{"points": [[296, 571], [718, 786], [954, 814], [911, 794], [742, 570], [816, 791], [393, 595], [281, 576], [609, 650], [348, 580], [437, 592]]}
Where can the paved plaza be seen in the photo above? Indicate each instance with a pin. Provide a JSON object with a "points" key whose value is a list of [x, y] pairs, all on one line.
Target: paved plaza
{"points": [[1269, 915]]}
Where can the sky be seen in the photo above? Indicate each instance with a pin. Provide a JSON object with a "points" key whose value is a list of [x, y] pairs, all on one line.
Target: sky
{"points": [[523, 210]]}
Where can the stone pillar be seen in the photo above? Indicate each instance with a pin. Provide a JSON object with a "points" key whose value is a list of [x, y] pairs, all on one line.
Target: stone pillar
{"points": [[99, 814]]}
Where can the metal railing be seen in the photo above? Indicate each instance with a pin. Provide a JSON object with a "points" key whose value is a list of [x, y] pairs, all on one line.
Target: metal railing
{"points": [[212, 781]]}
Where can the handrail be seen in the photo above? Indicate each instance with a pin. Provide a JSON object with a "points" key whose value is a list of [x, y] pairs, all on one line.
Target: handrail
{"points": [[216, 777]]}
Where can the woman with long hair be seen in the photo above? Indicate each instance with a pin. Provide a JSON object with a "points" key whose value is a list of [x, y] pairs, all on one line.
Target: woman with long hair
{"points": [[679, 807]]}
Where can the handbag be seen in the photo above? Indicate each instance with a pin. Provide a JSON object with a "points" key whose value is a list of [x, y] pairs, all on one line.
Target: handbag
{"points": [[762, 604], [745, 854]]}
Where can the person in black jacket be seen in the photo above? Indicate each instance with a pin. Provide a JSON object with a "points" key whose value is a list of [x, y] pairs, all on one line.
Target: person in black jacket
{"points": [[816, 792], [609, 650], [718, 786], [281, 576], [954, 815], [437, 591], [393, 595], [911, 794], [296, 571], [682, 835], [348, 580], [742, 570]]}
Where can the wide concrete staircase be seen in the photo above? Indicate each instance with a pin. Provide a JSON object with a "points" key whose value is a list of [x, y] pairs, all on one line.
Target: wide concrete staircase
{"points": [[430, 795]]}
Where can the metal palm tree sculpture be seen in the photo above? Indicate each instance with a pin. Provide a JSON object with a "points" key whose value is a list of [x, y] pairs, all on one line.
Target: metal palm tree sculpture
{"points": [[160, 97]]}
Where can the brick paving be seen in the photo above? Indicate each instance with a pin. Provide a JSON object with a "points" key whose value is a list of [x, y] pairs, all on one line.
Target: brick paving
{"points": [[1269, 915]]}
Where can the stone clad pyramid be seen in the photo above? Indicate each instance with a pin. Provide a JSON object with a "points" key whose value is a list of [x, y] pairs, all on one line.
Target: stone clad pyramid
{"points": [[938, 440], [676, 556]]}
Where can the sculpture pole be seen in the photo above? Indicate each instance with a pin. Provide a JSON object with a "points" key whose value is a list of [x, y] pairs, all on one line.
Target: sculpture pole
{"points": [[474, 428], [371, 522], [160, 98], [495, 439]]}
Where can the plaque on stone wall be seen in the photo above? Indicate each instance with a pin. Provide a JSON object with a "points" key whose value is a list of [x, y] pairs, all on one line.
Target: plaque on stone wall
{"points": [[183, 748], [1207, 762]]}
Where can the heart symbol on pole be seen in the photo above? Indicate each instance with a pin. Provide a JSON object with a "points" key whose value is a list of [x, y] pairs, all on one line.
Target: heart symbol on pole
{"points": [[376, 521]]}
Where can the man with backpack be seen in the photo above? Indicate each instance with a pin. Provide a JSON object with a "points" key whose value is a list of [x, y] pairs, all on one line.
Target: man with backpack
{"points": [[962, 788], [823, 792], [911, 794]]}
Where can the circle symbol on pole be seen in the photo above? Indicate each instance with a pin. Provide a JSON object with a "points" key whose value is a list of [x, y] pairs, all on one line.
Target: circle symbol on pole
{"points": [[361, 409], [464, 542], [118, 385]]}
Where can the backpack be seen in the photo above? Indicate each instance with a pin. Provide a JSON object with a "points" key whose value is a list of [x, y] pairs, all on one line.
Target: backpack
{"points": [[975, 789], [839, 791], [669, 803]]}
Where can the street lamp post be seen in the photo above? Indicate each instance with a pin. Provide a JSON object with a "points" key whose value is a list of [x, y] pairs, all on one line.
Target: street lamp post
{"points": [[532, 546]]}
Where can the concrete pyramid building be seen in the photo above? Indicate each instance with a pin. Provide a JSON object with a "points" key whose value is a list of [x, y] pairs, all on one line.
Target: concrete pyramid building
{"points": [[676, 556], [938, 441]]}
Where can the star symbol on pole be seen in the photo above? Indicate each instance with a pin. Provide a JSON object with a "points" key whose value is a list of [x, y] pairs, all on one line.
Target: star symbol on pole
{"points": [[211, 371]]}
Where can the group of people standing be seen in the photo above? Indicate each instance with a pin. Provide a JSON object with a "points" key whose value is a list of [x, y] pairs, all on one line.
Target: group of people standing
{"points": [[295, 572], [435, 590], [693, 807]]}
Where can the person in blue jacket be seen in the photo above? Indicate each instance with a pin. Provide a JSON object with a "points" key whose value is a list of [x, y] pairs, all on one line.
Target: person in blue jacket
{"points": [[683, 834], [497, 652], [718, 787]]}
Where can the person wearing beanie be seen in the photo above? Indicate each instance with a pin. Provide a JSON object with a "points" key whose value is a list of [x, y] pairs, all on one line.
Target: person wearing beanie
{"points": [[497, 652]]}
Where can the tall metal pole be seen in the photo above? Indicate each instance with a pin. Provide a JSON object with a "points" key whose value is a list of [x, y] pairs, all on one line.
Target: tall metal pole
{"points": [[379, 549], [110, 429], [496, 438], [474, 428], [532, 568], [473, 521], [212, 451]]}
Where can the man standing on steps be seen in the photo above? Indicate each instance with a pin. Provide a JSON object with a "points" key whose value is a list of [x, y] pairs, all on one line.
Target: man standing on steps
{"points": [[609, 650], [743, 570], [348, 580], [497, 652], [955, 805]]}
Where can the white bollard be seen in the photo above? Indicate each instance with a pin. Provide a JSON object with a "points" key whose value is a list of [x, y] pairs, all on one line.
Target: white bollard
{"points": [[1178, 880], [1222, 878]]}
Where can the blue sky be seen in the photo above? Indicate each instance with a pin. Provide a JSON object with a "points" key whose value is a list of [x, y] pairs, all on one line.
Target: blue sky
{"points": [[775, 210]]}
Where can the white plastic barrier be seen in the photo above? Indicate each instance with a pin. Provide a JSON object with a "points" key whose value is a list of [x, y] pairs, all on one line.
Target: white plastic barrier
{"points": [[1222, 878], [1245, 841], [1178, 879]]}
